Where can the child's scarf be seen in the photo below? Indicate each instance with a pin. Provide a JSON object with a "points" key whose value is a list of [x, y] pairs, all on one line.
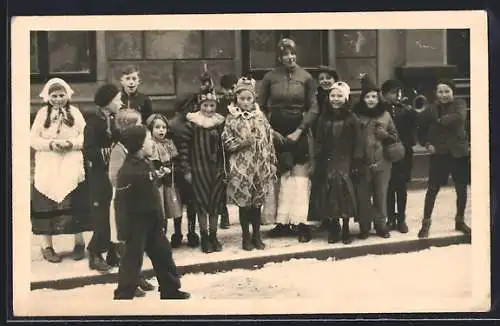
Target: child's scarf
{"points": [[165, 150]]}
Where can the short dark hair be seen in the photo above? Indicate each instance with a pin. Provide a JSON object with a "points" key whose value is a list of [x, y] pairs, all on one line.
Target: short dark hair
{"points": [[228, 81], [130, 69]]}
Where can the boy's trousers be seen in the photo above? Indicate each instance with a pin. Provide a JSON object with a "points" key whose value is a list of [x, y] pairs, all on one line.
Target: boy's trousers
{"points": [[101, 237], [372, 185], [146, 236]]}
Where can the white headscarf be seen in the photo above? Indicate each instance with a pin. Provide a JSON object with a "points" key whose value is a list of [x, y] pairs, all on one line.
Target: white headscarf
{"points": [[343, 88], [45, 92]]}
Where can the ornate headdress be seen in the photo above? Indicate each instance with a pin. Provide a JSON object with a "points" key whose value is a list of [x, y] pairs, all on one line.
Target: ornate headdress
{"points": [[245, 84], [207, 96]]}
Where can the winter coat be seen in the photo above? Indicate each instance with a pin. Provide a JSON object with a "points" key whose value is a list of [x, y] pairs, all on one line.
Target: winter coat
{"points": [[252, 168], [338, 144], [443, 126], [373, 146], [137, 195], [140, 102], [404, 118], [98, 140]]}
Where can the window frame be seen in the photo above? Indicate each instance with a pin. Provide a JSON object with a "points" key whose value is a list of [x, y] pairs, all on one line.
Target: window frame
{"points": [[44, 74], [258, 73]]}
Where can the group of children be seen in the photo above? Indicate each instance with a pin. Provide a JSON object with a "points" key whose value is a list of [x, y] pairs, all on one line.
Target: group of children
{"points": [[142, 168]]}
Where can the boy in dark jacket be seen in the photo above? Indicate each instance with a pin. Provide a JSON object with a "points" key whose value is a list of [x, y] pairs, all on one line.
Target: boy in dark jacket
{"points": [[442, 132], [140, 220], [131, 97], [99, 135], [404, 117]]}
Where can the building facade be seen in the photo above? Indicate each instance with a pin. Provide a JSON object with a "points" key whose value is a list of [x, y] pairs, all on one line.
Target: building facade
{"points": [[171, 61]]}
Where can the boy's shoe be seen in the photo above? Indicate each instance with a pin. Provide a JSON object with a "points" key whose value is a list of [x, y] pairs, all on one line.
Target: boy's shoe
{"points": [[176, 240], [424, 230], [175, 295], [193, 239], [78, 252], [216, 245], [145, 285], [139, 293], [96, 262], [112, 257], [257, 242]]}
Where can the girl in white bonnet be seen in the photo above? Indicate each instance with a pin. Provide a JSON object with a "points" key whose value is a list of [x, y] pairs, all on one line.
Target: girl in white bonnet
{"points": [[58, 204]]}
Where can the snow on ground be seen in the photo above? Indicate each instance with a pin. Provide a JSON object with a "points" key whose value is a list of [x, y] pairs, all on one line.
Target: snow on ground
{"points": [[430, 280]]}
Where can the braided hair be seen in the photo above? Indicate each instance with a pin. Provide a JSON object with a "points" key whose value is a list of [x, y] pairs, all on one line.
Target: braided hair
{"points": [[69, 119]]}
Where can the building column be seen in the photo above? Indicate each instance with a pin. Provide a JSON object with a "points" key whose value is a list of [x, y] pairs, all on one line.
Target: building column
{"points": [[101, 58]]}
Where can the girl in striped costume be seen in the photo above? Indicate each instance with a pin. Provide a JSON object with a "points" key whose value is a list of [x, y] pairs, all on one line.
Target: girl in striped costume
{"points": [[206, 161]]}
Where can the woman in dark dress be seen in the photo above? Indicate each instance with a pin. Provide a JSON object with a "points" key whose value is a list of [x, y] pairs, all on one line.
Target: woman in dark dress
{"points": [[288, 97]]}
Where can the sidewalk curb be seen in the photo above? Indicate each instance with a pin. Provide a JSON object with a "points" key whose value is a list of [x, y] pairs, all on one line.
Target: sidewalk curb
{"points": [[257, 262]]}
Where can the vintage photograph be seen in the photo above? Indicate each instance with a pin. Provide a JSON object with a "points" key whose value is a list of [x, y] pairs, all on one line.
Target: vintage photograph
{"points": [[208, 167]]}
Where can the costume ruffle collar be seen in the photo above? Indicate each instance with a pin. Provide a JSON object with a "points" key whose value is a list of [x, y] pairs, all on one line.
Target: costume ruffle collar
{"points": [[203, 121]]}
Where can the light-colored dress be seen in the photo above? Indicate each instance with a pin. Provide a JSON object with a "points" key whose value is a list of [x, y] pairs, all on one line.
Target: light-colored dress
{"points": [[252, 169], [58, 200]]}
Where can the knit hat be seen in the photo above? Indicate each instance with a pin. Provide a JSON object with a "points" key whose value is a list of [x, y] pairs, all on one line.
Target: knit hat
{"points": [[448, 82], [342, 87], [105, 94], [245, 84], [328, 70], [133, 138], [391, 84], [367, 85]]}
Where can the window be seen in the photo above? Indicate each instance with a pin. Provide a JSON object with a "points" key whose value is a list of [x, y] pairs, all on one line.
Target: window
{"points": [[67, 54], [356, 54], [259, 49]]}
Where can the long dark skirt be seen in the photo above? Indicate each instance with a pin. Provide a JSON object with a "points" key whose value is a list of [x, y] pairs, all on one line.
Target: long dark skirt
{"points": [[335, 199], [71, 216]]}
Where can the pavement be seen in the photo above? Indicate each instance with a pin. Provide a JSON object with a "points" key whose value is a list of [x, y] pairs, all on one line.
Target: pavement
{"points": [[71, 274]]}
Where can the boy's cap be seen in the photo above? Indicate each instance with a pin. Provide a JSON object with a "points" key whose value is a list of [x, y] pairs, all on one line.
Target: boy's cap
{"points": [[448, 82], [391, 84], [105, 94], [328, 70], [129, 70], [133, 138]]}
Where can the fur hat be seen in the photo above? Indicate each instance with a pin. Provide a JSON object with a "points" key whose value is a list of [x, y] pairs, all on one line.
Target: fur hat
{"points": [[105, 94], [343, 87], [133, 138], [245, 84], [367, 85], [448, 82], [391, 84]]}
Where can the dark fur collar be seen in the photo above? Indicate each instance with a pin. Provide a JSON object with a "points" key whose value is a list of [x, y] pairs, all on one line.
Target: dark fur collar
{"points": [[362, 109]]}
